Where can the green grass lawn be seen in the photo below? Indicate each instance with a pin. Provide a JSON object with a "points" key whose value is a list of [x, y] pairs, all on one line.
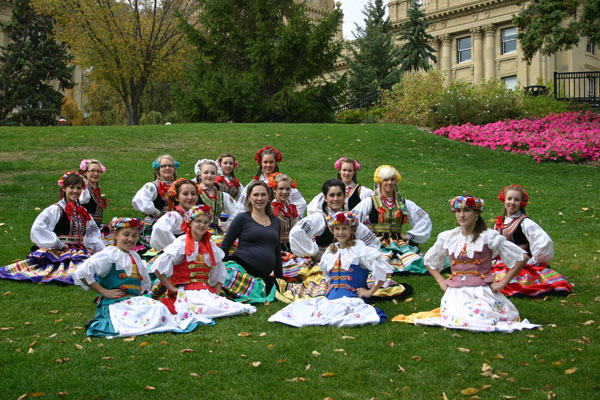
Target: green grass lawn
{"points": [[44, 347]]}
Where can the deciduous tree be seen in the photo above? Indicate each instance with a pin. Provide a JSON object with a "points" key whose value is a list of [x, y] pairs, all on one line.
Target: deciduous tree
{"points": [[32, 67], [124, 43]]}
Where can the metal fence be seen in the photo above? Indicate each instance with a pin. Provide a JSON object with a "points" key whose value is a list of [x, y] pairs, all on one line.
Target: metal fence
{"points": [[577, 86]]}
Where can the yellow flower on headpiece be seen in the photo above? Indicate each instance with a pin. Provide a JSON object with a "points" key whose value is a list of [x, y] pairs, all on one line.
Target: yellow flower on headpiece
{"points": [[377, 174]]}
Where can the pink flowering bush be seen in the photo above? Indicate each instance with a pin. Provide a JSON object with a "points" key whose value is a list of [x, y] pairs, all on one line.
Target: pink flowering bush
{"points": [[571, 136]]}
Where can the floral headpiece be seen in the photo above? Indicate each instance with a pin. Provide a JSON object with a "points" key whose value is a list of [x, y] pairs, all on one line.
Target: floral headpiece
{"points": [[258, 155], [386, 168], [461, 202], [83, 165], [61, 181], [124, 222], [156, 164], [524, 200], [273, 184], [195, 212], [197, 169], [342, 218], [338, 164]]}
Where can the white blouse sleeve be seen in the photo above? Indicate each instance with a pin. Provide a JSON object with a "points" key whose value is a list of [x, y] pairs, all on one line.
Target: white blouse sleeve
{"points": [[367, 236], [420, 222], [242, 197], [327, 262], [172, 255], [143, 200], [97, 265], [297, 200], [85, 196], [42, 230], [230, 207], [365, 192], [363, 209], [371, 259], [436, 255], [218, 273], [163, 231], [540, 243], [508, 251], [93, 238], [316, 205], [302, 234]]}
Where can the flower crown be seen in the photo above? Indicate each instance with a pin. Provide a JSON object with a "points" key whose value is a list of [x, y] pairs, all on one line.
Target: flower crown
{"points": [[273, 184], [156, 164], [378, 179], [197, 168], [173, 189], [258, 155], [195, 212], [524, 200], [124, 222], [61, 181], [342, 218], [338, 164], [462, 202], [83, 165]]}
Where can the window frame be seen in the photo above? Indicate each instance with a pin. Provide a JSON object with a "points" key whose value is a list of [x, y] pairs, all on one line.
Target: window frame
{"points": [[460, 52], [505, 42]]}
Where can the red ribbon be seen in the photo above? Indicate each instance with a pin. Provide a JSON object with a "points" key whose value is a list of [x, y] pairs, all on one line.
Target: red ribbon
{"points": [[234, 182], [279, 208], [499, 223], [70, 209], [162, 189], [103, 202], [381, 214]]}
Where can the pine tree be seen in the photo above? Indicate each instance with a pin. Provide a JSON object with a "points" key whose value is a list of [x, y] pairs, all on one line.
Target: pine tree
{"points": [[416, 51], [30, 65], [374, 56], [260, 60]]}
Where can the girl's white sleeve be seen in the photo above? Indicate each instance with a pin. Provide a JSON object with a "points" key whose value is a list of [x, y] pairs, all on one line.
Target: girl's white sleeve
{"points": [[419, 221], [367, 236], [218, 273], [42, 230], [172, 255], [163, 231], [540, 243], [99, 265], [316, 205], [363, 209], [93, 238], [302, 234], [297, 200], [436, 255], [85, 196], [371, 259], [143, 201], [508, 251]]}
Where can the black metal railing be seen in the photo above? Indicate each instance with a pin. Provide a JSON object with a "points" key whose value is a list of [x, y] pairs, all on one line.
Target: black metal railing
{"points": [[577, 86], [367, 101]]}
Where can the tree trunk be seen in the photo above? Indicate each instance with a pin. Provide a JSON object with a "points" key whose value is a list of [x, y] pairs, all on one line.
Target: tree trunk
{"points": [[132, 102]]}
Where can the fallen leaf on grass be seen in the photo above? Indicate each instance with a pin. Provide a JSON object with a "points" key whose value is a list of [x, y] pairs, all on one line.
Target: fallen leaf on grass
{"points": [[185, 351], [194, 375], [34, 394], [62, 393], [307, 367], [463, 350], [570, 371], [486, 387], [509, 397], [524, 363], [270, 346], [444, 396], [7, 328], [348, 337], [62, 360], [243, 356], [78, 346], [498, 356], [129, 339], [256, 364], [328, 374], [511, 379], [244, 334], [339, 350], [262, 334], [107, 358], [26, 323], [164, 342], [33, 343], [163, 369], [525, 389], [149, 388], [30, 351], [282, 360], [143, 344], [401, 369], [588, 323], [416, 358], [409, 300], [105, 367], [212, 372], [456, 335], [298, 379], [469, 391], [53, 311], [88, 339]]}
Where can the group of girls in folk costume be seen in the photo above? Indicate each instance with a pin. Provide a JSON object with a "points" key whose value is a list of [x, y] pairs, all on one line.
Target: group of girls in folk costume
{"points": [[120, 276], [354, 193], [210, 194], [196, 270], [345, 266], [536, 277], [472, 300], [152, 199], [387, 212], [64, 235]]}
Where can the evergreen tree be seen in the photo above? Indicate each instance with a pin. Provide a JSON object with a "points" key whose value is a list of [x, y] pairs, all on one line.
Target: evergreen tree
{"points": [[416, 51], [260, 60], [374, 56], [553, 25], [30, 65]]}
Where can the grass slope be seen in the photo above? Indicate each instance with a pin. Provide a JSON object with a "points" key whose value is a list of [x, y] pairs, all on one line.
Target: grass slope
{"points": [[365, 361]]}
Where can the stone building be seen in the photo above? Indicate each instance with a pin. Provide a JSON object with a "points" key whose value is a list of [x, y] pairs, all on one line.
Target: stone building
{"points": [[476, 39]]}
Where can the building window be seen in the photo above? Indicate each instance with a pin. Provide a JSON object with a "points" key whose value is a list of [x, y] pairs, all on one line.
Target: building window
{"points": [[590, 48], [509, 40], [510, 82], [591, 87], [463, 49]]}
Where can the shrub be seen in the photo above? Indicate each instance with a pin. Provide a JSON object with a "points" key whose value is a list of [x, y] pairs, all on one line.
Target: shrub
{"points": [[411, 100], [540, 106], [353, 116], [151, 118]]}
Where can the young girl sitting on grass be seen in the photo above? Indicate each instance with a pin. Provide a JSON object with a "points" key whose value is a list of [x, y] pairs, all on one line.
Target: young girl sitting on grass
{"points": [[346, 265], [472, 300], [536, 278], [120, 276], [64, 235], [197, 272]]}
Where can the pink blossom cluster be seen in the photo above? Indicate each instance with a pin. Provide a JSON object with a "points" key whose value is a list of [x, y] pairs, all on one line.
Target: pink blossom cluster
{"points": [[571, 136]]}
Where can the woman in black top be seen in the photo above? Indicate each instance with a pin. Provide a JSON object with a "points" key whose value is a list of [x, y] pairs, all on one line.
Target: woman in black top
{"points": [[257, 231]]}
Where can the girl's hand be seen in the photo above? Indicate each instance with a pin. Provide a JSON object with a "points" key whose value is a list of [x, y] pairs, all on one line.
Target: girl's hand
{"points": [[363, 293], [443, 285], [497, 286], [114, 293], [65, 247]]}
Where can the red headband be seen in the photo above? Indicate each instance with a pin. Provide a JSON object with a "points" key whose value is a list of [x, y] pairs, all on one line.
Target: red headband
{"points": [[524, 200]]}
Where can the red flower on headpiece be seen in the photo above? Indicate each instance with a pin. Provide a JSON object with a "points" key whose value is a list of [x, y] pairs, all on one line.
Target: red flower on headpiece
{"points": [[340, 218], [258, 155], [470, 202], [205, 208]]}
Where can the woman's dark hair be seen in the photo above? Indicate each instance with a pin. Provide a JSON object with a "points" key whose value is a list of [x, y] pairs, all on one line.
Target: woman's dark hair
{"points": [[349, 161], [480, 225], [329, 183], [178, 186], [266, 152], [250, 188], [71, 180]]}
